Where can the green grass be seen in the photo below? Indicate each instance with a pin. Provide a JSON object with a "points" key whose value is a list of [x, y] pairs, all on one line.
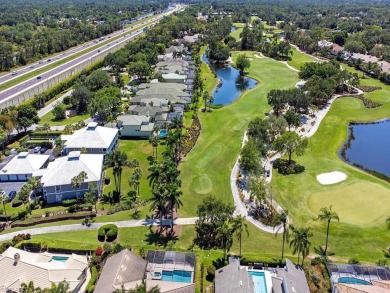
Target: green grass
{"points": [[298, 59], [206, 170], [54, 64], [210, 81], [239, 27], [49, 119], [351, 202]]}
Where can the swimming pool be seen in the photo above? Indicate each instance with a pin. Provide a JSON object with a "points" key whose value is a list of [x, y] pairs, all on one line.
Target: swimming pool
{"points": [[177, 276], [162, 133], [258, 281], [350, 280], [60, 258]]}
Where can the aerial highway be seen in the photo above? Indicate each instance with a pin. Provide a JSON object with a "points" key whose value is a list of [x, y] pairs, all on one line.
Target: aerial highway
{"points": [[8, 95], [72, 51]]}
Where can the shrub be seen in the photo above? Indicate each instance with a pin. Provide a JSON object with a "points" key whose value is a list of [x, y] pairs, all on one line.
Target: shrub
{"points": [[99, 251], [286, 169], [19, 238], [107, 180], [72, 209], [354, 261], [108, 232], [67, 100], [16, 203], [210, 272], [22, 215], [68, 202]]}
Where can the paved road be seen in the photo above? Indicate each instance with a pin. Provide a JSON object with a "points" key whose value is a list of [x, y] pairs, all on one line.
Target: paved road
{"points": [[34, 81], [72, 51], [96, 226]]}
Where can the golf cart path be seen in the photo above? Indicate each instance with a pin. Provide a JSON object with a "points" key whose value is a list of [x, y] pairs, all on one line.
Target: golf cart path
{"points": [[96, 226]]}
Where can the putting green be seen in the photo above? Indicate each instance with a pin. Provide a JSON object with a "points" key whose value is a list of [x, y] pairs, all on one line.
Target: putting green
{"points": [[360, 203], [202, 184]]}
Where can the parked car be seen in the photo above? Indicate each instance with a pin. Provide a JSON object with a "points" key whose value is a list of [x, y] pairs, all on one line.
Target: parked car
{"points": [[37, 149], [12, 195], [43, 150], [268, 173]]}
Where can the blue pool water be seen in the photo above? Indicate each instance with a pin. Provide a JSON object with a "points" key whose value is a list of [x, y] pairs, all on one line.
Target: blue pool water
{"points": [[177, 276], [349, 280], [163, 133], [259, 281], [60, 258]]}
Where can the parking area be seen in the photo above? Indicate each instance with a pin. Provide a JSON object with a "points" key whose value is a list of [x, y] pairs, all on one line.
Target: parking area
{"points": [[9, 186]]}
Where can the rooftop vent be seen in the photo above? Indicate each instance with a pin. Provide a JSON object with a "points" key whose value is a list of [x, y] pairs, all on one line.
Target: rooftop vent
{"points": [[92, 125], [16, 257], [23, 155], [75, 155]]}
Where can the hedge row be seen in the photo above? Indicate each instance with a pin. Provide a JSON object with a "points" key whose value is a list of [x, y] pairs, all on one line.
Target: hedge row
{"points": [[266, 261], [56, 218], [108, 232], [31, 245], [92, 281], [80, 207]]}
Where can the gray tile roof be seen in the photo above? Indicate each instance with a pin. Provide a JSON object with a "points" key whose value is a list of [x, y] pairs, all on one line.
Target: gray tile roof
{"points": [[232, 279], [294, 279], [121, 268]]}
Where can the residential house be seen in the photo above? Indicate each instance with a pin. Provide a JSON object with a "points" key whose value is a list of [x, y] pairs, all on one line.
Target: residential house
{"points": [[43, 269], [235, 278], [23, 166], [174, 77], [324, 44], [336, 49], [378, 286], [57, 178], [93, 138], [122, 269], [135, 126], [365, 58], [160, 268], [177, 90]]}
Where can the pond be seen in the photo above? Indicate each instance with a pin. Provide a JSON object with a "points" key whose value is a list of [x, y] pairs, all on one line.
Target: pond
{"points": [[369, 146], [231, 84]]}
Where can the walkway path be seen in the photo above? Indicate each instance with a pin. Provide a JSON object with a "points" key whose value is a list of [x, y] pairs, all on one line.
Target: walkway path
{"points": [[96, 226]]}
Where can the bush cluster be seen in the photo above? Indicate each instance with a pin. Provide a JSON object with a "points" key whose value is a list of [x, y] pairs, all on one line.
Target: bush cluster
{"points": [[119, 207], [286, 169], [92, 281], [19, 238], [108, 233], [60, 217], [16, 203], [68, 202], [80, 207]]}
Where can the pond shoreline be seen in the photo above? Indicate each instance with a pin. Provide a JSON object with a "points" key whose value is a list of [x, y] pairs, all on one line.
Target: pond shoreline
{"points": [[346, 145]]}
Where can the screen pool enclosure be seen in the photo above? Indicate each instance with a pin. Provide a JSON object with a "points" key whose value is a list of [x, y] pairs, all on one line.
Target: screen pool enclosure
{"points": [[355, 274], [171, 266]]}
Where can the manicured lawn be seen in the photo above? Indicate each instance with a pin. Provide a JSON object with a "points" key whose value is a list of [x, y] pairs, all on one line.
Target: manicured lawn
{"points": [[210, 81], [351, 202], [298, 59], [206, 170], [239, 27], [49, 118]]}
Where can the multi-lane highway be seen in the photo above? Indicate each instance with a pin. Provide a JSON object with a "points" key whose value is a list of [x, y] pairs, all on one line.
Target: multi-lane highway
{"points": [[11, 92], [70, 52]]}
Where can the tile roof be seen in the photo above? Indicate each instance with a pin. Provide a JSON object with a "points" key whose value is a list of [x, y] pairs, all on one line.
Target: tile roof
{"points": [[122, 268], [133, 119], [62, 170], [25, 163], [39, 268], [91, 137], [232, 279]]}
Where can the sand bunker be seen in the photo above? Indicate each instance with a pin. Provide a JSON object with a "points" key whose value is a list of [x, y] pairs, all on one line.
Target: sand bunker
{"points": [[258, 56], [331, 177]]}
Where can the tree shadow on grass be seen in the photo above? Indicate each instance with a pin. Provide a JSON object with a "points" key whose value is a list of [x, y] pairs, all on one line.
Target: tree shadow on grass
{"points": [[155, 238]]}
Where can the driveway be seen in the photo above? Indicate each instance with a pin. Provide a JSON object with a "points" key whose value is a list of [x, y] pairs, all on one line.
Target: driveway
{"points": [[9, 186]]}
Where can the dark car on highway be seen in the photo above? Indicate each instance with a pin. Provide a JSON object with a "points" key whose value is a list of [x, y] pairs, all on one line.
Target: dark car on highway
{"points": [[39, 77]]}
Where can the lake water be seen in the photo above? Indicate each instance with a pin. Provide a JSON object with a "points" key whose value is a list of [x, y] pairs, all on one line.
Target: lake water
{"points": [[231, 83], [370, 148]]}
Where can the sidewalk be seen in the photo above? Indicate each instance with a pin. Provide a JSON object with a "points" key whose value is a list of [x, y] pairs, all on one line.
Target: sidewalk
{"points": [[96, 226]]}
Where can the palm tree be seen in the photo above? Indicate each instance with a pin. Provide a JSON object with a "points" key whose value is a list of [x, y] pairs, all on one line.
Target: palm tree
{"points": [[117, 160], [239, 227], [154, 141], [283, 218], [46, 127], [225, 237], [176, 123], [173, 199], [77, 181], [210, 101], [155, 173], [326, 214], [139, 289], [30, 288], [158, 201], [3, 198], [135, 179], [34, 184], [206, 97], [91, 195], [300, 241]]}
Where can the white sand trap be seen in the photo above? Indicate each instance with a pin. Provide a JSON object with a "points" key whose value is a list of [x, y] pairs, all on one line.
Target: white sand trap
{"points": [[258, 56], [331, 177]]}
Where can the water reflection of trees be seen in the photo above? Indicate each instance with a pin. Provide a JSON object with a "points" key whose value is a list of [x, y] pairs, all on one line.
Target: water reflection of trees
{"points": [[242, 83]]}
